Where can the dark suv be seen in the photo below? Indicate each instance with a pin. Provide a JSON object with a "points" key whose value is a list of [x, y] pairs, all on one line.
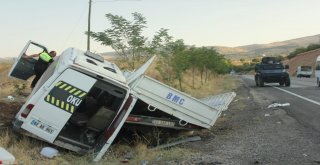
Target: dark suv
{"points": [[271, 71]]}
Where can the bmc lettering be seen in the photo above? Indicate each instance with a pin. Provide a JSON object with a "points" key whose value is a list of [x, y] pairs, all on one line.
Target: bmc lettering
{"points": [[74, 100], [175, 98]]}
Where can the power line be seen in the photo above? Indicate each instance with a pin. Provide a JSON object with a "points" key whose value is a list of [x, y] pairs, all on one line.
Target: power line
{"points": [[89, 18], [75, 26]]}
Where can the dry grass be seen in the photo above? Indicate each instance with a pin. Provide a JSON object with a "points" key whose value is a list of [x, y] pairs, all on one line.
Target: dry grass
{"points": [[27, 151], [215, 84], [7, 83], [141, 153]]}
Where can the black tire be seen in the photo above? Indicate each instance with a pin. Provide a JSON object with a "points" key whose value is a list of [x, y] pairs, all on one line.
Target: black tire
{"points": [[281, 83], [256, 81], [318, 82], [260, 82], [287, 82]]}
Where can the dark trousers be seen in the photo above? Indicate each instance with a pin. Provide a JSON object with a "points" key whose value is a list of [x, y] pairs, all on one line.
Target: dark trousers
{"points": [[39, 70]]}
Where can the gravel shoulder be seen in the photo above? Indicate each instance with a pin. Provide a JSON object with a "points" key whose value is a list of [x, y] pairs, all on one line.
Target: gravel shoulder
{"points": [[250, 133]]}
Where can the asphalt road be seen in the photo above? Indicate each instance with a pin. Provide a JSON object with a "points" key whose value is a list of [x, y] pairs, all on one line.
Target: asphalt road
{"points": [[251, 133], [303, 96]]}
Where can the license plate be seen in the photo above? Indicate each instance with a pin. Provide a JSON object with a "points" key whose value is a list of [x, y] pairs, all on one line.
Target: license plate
{"points": [[42, 126], [164, 123]]}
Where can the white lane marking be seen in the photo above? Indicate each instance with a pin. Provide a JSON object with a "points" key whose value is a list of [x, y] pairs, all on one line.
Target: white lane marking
{"points": [[304, 98], [301, 97]]}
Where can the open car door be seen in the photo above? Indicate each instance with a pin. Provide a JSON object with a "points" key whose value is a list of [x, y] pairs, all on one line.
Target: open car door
{"points": [[49, 114], [23, 67], [111, 132]]}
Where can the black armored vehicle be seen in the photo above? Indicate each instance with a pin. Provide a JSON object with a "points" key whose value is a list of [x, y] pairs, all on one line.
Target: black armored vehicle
{"points": [[271, 70]]}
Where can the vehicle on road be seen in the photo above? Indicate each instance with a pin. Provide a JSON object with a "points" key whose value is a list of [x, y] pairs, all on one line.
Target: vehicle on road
{"points": [[271, 71], [304, 71], [317, 71]]}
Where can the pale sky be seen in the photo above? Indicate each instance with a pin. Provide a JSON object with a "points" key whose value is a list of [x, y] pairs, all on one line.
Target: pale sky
{"points": [[59, 24]]}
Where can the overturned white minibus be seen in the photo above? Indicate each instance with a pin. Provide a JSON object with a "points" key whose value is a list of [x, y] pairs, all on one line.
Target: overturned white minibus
{"points": [[82, 101]]}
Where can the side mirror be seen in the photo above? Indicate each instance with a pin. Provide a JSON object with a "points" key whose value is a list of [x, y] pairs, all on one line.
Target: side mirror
{"points": [[286, 66]]}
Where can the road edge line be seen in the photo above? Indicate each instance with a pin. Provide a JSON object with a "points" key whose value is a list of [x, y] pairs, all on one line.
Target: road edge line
{"points": [[304, 98]]}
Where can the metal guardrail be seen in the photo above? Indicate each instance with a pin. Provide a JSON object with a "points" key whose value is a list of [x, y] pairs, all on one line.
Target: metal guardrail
{"points": [[221, 101]]}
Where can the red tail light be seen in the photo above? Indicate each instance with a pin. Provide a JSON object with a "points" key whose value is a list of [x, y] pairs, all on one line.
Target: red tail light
{"points": [[28, 109], [134, 119]]}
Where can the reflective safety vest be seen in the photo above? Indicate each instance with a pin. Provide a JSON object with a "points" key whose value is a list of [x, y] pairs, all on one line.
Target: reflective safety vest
{"points": [[45, 57]]}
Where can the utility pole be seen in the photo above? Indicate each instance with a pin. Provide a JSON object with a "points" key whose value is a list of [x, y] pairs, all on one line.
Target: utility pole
{"points": [[89, 17]]}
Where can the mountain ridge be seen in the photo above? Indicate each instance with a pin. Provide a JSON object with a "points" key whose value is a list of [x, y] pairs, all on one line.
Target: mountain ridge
{"points": [[279, 48]]}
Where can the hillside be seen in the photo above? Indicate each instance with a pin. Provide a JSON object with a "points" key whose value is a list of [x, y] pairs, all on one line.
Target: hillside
{"points": [[282, 48], [303, 59]]}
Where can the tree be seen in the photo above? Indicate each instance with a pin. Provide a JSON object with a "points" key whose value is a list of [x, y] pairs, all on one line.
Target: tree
{"points": [[180, 59], [167, 63], [126, 38], [193, 62]]}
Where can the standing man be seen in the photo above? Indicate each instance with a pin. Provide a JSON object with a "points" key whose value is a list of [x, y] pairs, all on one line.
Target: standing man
{"points": [[43, 62]]}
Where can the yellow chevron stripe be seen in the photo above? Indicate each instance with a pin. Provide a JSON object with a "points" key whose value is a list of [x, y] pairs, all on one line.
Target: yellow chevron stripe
{"points": [[48, 98], [62, 86], [58, 83], [67, 107], [84, 93], [72, 90], [72, 109], [78, 92], [68, 88], [52, 100], [62, 105], [57, 102]]}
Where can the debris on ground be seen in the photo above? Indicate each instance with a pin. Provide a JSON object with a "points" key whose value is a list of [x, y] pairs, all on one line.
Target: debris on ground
{"points": [[188, 139], [49, 152], [11, 98], [274, 105]]}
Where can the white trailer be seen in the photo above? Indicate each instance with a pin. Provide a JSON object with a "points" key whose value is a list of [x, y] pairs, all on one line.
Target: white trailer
{"points": [[82, 101]]}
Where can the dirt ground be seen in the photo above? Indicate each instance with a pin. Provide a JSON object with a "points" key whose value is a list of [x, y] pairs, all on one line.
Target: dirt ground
{"points": [[247, 133], [8, 109]]}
